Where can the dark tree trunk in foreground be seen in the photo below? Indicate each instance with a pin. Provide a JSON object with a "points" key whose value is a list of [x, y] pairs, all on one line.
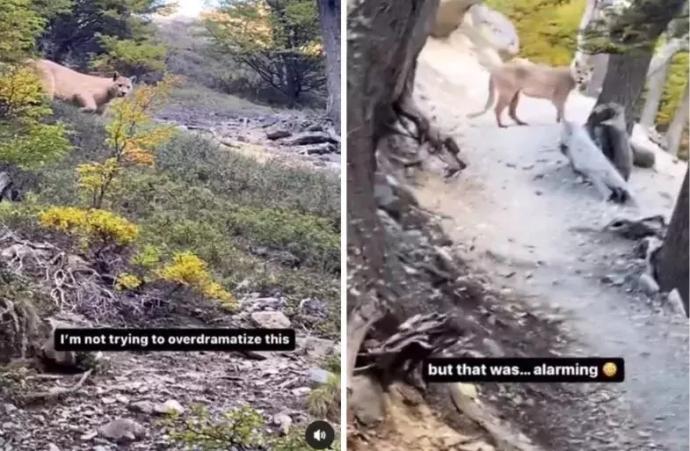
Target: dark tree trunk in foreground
{"points": [[329, 17], [384, 40], [672, 262]]}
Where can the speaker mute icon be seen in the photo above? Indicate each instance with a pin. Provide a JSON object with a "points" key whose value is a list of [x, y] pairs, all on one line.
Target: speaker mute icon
{"points": [[319, 435]]}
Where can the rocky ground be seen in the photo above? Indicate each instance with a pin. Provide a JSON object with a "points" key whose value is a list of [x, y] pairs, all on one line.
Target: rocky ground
{"points": [[126, 405], [126, 401], [292, 136]]}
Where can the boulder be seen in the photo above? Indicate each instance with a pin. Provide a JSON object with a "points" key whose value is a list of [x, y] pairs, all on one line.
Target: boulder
{"points": [[122, 430], [271, 320], [318, 376], [169, 407], [283, 421], [278, 134], [142, 406], [497, 29], [367, 400], [449, 16], [644, 149]]}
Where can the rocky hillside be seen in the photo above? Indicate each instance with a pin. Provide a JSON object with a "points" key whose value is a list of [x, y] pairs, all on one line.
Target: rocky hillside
{"points": [[250, 191]]}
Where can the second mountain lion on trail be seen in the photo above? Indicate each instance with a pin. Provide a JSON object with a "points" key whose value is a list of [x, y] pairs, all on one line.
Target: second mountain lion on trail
{"points": [[533, 80], [89, 92]]}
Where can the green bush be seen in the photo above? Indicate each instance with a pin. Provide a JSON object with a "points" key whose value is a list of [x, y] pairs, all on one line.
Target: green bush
{"points": [[308, 237], [242, 426], [201, 162]]}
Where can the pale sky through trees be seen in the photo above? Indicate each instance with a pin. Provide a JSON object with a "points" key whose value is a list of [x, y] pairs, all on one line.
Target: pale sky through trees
{"points": [[192, 8]]}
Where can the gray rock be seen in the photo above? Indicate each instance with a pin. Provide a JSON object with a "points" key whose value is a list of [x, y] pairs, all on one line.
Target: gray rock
{"points": [[88, 436], [278, 134], [283, 421], [648, 285], [318, 376], [122, 430], [65, 359], [317, 348], [300, 392], [366, 400], [386, 198], [271, 320], [312, 306], [499, 30], [493, 347], [675, 302], [53, 447], [142, 406], [169, 406], [9, 408], [258, 304], [613, 279], [449, 16]]}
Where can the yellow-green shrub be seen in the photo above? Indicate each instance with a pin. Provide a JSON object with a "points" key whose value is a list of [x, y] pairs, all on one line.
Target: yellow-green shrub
{"points": [[90, 226], [126, 281], [25, 140], [132, 137], [188, 270]]}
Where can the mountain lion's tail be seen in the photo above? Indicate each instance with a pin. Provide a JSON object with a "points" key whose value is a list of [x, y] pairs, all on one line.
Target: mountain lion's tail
{"points": [[489, 101]]}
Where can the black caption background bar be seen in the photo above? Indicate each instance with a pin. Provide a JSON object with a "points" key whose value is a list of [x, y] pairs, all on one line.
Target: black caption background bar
{"points": [[524, 365], [179, 332]]}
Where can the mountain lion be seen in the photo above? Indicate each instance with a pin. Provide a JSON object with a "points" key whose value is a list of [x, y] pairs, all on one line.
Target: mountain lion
{"points": [[533, 80], [89, 92]]}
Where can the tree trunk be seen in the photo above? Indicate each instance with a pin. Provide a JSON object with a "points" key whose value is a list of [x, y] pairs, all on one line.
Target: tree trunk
{"points": [[599, 64], [678, 124], [663, 57], [627, 71], [329, 16], [655, 90], [672, 262], [598, 61], [384, 39], [625, 77], [587, 16]]}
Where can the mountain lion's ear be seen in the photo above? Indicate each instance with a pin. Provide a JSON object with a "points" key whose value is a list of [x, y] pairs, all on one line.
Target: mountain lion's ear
{"points": [[133, 79], [115, 76]]}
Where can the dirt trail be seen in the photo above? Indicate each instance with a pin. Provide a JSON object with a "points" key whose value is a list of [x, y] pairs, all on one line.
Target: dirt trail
{"points": [[519, 213]]}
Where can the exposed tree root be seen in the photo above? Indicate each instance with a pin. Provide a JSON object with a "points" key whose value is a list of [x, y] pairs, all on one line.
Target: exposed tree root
{"points": [[72, 283], [439, 143], [55, 393]]}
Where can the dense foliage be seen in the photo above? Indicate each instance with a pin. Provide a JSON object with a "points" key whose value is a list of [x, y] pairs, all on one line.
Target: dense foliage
{"points": [[26, 137], [118, 31], [279, 39]]}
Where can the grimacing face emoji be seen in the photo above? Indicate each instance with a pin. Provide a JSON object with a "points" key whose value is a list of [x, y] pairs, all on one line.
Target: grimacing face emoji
{"points": [[609, 369]]}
